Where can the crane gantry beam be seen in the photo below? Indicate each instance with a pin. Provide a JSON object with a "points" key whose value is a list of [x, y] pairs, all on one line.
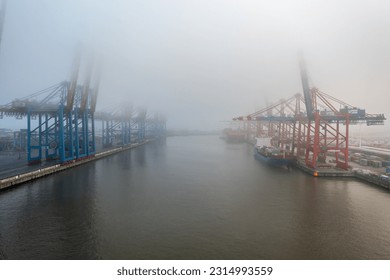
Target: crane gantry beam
{"points": [[322, 128], [60, 120]]}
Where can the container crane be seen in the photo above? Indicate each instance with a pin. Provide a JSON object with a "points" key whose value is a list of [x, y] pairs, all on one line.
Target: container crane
{"points": [[327, 127], [306, 89], [60, 120], [311, 134]]}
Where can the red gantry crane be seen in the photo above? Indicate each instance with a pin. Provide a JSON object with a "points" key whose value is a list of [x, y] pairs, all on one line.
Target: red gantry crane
{"points": [[327, 125], [311, 126]]}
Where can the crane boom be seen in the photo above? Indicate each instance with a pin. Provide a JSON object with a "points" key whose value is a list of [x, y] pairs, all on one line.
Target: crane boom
{"points": [[306, 90], [86, 91], [95, 92], [73, 83]]}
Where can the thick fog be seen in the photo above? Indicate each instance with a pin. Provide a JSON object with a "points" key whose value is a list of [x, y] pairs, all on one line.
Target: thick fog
{"points": [[200, 62]]}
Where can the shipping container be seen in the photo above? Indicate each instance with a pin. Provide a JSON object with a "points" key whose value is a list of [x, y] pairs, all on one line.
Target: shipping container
{"points": [[385, 163], [384, 178]]}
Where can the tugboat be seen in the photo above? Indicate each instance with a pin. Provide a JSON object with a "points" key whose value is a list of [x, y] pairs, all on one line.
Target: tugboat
{"points": [[274, 156]]}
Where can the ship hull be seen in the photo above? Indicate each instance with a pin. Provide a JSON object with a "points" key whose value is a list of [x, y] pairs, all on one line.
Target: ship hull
{"points": [[273, 160]]}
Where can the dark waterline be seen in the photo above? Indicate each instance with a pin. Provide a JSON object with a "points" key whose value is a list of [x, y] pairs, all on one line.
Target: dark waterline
{"points": [[193, 197]]}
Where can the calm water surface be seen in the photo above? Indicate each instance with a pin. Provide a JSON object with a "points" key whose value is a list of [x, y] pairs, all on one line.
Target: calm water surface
{"points": [[193, 197]]}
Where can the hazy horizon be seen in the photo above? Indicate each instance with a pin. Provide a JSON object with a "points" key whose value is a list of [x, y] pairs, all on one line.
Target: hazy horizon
{"points": [[200, 62]]}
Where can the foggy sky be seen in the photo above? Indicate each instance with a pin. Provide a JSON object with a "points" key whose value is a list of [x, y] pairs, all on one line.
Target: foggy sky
{"points": [[201, 62]]}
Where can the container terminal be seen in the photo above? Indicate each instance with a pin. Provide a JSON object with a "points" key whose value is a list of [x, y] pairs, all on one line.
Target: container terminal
{"points": [[314, 129], [62, 131], [63, 128], [12, 177]]}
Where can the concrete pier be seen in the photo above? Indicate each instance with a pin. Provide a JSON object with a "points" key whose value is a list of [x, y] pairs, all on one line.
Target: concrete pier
{"points": [[324, 172], [367, 177], [373, 179], [13, 181], [32, 175]]}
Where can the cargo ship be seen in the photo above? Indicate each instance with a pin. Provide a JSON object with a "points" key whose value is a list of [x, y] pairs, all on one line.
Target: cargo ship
{"points": [[265, 152]]}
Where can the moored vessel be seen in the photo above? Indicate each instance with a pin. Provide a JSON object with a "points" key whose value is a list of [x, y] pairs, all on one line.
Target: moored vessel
{"points": [[271, 155]]}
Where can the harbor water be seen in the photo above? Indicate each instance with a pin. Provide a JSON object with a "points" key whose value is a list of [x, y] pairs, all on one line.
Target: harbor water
{"points": [[193, 197]]}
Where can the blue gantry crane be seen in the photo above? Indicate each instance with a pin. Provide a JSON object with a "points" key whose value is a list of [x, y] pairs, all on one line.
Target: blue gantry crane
{"points": [[155, 127], [117, 126], [60, 121], [120, 128]]}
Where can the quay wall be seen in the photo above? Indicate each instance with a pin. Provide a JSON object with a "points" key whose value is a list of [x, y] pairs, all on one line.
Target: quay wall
{"points": [[367, 177], [36, 174], [374, 179], [13, 181]]}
